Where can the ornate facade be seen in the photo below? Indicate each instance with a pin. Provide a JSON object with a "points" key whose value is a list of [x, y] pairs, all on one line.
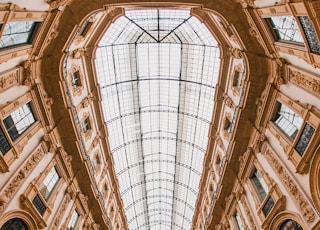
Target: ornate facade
{"points": [[261, 168]]}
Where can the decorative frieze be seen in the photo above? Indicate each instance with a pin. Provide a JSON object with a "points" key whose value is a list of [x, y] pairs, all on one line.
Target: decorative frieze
{"points": [[19, 177], [307, 82], [9, 79], [301, 201]]}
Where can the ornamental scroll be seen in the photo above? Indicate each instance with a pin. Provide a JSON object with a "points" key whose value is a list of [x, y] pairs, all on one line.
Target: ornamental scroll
{"points": [[305, 81]]}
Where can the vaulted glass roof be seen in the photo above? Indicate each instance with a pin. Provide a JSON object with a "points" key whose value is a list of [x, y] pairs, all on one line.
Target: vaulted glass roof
{"points": [[157, 70]]}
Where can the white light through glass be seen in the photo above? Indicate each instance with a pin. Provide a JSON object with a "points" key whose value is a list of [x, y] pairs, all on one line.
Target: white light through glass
{"points": [[157, 70]]}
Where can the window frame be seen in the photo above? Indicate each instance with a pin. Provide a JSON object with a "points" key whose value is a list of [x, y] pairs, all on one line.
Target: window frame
{"points": [[238, 76], [14, 125], [71, 220], [75, 71], [309, 116], [17, 146], [273, 191], [87, 126], [277, 38], [56, 174], [33, 192], [31, 36], [237, 218]]}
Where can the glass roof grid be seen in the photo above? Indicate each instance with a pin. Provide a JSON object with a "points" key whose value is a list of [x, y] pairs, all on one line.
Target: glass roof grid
{"points": [[155, 135], [113, 32], [202, 32]]}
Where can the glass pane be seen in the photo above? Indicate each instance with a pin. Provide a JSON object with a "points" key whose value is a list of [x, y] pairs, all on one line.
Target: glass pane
{"points": [[49, 183], [16, 33], [39, 205], [157, 70], [73, 220], [290, 225], [268, 206], [260, 184], [286, 28], [4, 143], [288, 121], [19, 120], [310, 34], [14, 224], [238, 221], [304, 139]]}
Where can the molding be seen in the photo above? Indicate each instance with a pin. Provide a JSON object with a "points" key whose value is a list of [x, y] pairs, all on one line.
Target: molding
{"points": [[304, 80], [287, 180], [20, 176], [61, 212], [10, 78]]}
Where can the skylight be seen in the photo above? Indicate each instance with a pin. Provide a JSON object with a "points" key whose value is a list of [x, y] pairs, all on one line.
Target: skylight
{"points": [[157, 70]]}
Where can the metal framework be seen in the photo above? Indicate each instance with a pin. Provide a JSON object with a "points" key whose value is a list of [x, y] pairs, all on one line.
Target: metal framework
{"points": [[157, 70]]}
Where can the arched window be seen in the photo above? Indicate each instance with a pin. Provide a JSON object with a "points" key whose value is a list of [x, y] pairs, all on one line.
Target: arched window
{"points": [[14, 224], [290, 225]]}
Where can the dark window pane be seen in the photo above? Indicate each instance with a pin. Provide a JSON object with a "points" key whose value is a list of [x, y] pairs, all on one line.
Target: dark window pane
{"points": [[75, 79], [268, 206], [85, 28], [19, 120], [310, 34], [4, 144], [39, 205], [14, 224], [304, 139], [290, 225]]}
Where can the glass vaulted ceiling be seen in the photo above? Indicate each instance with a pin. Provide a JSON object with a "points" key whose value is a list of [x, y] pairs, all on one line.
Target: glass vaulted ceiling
{"points": [[157, 70]]}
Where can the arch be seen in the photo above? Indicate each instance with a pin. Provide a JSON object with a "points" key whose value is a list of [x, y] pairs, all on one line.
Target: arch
{"points": [[314, 179], [279, 219], [23, 215]]}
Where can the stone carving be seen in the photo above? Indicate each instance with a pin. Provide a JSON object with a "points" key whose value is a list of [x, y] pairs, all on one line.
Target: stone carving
{"points": [[301, 201], [10, 190], [235, 53], [305, 82], [9, 79], [228, 101], [244, 158], [78, 53], [27, 73], [56, 3], [281, 72], [49, 143], [259, 143], [85, 102]]}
